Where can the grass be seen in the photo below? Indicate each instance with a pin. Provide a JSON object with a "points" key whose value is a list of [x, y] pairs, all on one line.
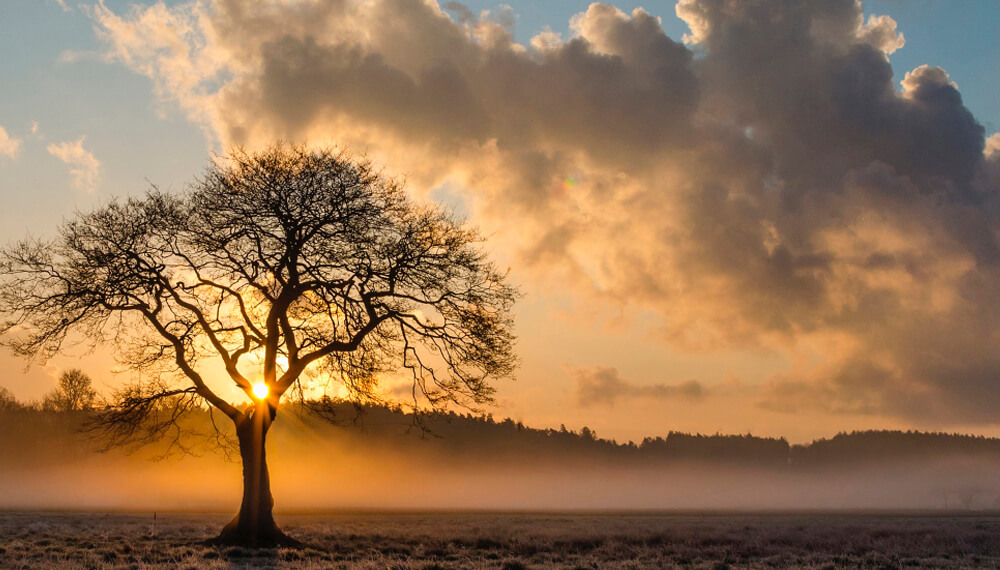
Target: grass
{"points": [[509, 541]]}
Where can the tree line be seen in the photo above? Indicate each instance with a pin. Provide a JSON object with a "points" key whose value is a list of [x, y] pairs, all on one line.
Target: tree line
{"points": [[469, 433], [74, 392]]}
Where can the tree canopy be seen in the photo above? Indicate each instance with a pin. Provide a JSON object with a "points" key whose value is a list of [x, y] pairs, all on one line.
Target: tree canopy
{"points": [[290, 257], [74, 392]]}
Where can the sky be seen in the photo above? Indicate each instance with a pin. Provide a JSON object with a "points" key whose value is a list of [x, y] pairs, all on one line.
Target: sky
{"points": [[769, 217]]}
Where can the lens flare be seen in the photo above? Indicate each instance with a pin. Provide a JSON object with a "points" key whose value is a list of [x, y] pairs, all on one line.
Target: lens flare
{"points": [[260, 390]]}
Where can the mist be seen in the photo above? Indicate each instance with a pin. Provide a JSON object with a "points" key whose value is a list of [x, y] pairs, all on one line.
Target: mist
{"points": [[384, 463]]}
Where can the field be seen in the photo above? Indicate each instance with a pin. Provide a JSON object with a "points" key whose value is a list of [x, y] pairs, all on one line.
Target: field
{"points": [[511, 541]]}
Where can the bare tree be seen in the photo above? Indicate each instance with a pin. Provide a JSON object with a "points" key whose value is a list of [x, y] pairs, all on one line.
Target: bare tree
{"points": [[271, 264], [74, 392]]}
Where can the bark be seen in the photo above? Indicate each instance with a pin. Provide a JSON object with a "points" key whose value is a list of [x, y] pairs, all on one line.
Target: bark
{"points": [[254, 525]]}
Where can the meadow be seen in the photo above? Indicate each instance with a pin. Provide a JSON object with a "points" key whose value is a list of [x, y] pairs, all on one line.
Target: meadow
{"points": [[511, 541]]}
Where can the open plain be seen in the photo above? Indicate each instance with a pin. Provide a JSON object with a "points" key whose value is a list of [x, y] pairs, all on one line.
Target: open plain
{"points": [[512, 540]]}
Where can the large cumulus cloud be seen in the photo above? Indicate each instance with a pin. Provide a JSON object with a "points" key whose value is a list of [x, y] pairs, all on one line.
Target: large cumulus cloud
{"points": [[770, 184]]}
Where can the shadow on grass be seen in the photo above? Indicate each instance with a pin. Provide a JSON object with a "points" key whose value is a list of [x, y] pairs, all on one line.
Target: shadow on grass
{"points": [[268, 556]]}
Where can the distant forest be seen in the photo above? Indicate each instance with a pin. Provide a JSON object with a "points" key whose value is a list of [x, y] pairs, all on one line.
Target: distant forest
{"points": [[473, 436]]}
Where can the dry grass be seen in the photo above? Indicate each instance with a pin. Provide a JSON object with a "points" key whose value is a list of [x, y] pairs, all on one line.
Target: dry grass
{"points": [[509, 541]]}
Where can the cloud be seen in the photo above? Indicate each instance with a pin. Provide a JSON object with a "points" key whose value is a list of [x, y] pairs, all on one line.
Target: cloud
{"points": [[605, 386], [776, 192], [68, 56], [462, 12], [9, 146], [880, 32], [83, 166]]}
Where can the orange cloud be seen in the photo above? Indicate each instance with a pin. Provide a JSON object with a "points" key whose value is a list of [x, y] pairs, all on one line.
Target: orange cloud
{"points": [[83, 166], [9, 146]]}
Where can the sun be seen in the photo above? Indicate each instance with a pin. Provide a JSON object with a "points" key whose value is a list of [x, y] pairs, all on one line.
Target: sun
{"points": [[260, 390]]}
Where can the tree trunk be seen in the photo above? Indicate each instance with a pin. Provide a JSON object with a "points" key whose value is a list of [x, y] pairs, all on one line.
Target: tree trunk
{"points": [[254, 525]]}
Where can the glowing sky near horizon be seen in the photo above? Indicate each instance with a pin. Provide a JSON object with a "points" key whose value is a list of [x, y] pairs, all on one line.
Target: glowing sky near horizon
{"points": [[780, 220]]}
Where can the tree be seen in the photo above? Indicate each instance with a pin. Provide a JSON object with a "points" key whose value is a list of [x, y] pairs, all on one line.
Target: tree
{"points": [[272, 264], [73, 393], [8, 403]]}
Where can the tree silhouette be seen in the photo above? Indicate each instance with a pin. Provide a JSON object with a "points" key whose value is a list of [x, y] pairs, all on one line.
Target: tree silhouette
{"points": [[75, 392], [8, 403], [273, 264]]}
